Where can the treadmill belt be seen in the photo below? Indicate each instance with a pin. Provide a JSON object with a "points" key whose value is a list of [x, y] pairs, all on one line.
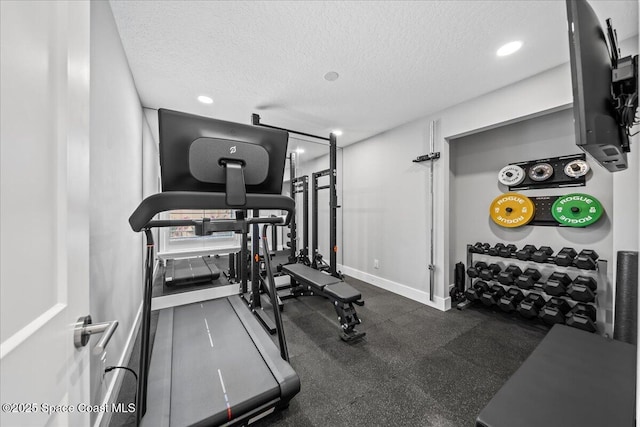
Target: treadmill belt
{"points": [[189, 271], [216, 368], [215, 271]]}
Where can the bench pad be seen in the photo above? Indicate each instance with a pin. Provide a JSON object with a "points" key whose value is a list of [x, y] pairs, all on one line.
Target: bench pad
{"points": [[342, 292], [310, 276]]}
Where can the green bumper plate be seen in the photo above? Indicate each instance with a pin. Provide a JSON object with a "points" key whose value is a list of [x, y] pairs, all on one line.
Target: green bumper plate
{"points": [[577, 210]]}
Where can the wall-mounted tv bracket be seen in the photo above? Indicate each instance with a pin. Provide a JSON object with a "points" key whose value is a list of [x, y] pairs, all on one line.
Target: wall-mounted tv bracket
{"points": [[431, 157], [624, 86], [550, 173]]}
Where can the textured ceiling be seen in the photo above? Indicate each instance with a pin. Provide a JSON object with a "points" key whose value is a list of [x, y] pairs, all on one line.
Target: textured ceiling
{"points": [[397, 60]]}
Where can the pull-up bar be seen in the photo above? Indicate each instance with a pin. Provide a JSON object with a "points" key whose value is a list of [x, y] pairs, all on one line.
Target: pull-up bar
{"points": [[255, 120]]}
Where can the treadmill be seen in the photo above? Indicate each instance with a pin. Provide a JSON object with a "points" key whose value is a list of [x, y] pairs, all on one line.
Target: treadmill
{"points": [[190, 271], [212, 361]]}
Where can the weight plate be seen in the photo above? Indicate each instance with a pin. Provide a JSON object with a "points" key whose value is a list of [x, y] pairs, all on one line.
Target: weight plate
{"points": [[511, 175], [540, 172], [576, 168], [577, 210], [512, 210]]}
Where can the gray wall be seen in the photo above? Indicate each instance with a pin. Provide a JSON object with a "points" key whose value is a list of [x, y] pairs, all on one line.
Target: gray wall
{"points": [[386, 208], [386, 197], [118, 128]]}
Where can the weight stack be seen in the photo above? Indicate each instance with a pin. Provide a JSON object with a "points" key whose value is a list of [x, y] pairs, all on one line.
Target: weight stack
{"points": [[626, 307]]}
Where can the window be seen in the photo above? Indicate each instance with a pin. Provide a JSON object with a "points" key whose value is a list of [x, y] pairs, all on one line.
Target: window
{"points": [[183, 240], [188, 232]]}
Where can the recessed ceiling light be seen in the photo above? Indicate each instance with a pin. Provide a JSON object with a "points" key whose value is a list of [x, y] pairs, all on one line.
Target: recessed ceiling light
{"points": [[336, 132], [331, 76], [205, 99], [509, 48], [299, 150]]}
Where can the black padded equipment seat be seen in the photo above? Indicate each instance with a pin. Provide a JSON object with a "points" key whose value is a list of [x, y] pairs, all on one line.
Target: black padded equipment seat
{"points": [[573, 378], [308, 275], [342, 292], [331, 286]]}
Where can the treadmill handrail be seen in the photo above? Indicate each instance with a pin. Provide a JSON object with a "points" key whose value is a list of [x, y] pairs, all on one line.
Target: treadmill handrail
{"points": [[171, 200]]}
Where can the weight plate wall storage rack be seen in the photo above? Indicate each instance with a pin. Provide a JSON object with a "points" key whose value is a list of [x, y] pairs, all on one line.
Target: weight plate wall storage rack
{"points": [[512, 210], [552, 172]]}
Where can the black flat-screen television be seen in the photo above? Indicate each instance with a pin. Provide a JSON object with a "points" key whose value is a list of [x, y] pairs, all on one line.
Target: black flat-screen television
{"points": [[200, 154], [598, 129]]}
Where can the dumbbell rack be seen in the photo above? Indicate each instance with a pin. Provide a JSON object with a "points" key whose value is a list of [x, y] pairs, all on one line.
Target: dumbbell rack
{"points": [[601, 272]]}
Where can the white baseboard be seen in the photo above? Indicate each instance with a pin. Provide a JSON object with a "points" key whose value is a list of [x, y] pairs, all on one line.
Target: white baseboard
{"points": [[104, 417], [440, 303]]}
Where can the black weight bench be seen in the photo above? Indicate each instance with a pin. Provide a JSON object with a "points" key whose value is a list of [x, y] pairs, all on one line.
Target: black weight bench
{"points": [[190, 271], [310, 277], [341, 294], [573, 378]]}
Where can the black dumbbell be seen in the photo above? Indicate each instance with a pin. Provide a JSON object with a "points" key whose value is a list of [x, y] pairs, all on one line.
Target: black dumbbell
{"points": [[507, 251], [492, 296], [527, 279], [554, 311], [479, 248], [508, 276], [476, 290], [582, 316], [531, 305], [474, 271], [582, 289], [509, 301], [557, 283], [490, 272], [525, 253], [495, 251], [455, 294], [565, 257], [586, 259], [542, 254]]}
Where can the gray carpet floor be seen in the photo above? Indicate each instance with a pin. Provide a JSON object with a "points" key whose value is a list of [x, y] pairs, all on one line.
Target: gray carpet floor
{"points": [[417, 366]]}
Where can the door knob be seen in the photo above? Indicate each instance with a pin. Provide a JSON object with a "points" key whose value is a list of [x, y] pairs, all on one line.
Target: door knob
{"points": [[84, 328]]}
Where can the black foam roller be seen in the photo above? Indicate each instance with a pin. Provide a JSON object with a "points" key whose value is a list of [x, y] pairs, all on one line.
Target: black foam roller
{"points": [[624, 328], [459, 276]]}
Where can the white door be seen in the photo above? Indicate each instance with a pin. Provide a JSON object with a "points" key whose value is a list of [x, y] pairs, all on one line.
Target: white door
{"points": [[44, 212]]}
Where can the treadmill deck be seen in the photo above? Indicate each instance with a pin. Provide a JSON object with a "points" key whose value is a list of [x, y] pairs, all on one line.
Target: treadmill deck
{"points": [[205, 367]]}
